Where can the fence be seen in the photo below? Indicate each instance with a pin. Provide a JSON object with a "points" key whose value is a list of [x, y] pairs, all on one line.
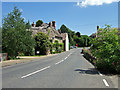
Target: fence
{"points": [[3, 56]]}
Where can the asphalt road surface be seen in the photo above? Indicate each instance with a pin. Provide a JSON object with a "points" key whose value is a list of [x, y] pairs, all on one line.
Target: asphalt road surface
{"points": [[65, 70]]}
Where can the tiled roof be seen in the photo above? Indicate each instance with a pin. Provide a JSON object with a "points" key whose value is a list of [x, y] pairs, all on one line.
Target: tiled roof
{"points": [[45, 28]]}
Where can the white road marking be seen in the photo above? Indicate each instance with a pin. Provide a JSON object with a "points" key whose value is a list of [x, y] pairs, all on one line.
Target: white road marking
{"points": [[63, 60], [66, 57], [69, 54], [100, 73], [105, 82], [35, 72], [59, 62]]}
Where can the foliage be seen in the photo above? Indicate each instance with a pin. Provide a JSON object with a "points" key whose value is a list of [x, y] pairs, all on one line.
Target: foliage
{"points": [[59, 47], [51, 50], [82, 41], [42, 43], [106, 49], [64, 29], [28, 26], [15, 38], [78, 34], [69, 46], [76, 38], [88, 55], [48, 32], [39, 23], [56, 45]]}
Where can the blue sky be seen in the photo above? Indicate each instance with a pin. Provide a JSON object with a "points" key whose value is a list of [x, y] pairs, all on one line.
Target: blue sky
{"points": [[81, 19]]}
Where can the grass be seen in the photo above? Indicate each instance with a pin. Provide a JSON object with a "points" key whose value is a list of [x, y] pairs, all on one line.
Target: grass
{"points": [[34, 56]]}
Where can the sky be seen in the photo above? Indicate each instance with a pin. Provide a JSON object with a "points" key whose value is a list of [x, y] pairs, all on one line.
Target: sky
{"points": [[80, 17]]}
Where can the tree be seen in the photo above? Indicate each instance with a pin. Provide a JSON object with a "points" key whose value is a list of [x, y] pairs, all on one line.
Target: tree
{"points": [[15, 37], [86, 40], [28, 26], [76, 38], [73, 33], [64, 29], [39, 23], [78, 34], [43, 43]]}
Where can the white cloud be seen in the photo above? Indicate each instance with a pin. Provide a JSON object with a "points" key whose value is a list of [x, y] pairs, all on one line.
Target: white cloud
{"points": [[96, 2]]}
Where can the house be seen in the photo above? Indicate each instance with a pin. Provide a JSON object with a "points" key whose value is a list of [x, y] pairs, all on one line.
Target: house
{"points": [[50, 30]]}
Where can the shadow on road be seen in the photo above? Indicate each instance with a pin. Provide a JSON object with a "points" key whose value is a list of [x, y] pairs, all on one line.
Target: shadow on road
{"points": [[88, 71]]}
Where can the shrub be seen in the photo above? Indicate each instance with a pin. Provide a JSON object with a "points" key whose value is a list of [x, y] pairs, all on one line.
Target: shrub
{"points": [[51, 50], [106, 49], [88, 55], [21, 54]]}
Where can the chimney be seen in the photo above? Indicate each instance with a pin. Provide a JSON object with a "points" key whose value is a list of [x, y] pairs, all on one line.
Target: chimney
{"points": [[49, 24], [97, 27], [53, 24], [97, 31], [33, 24]]}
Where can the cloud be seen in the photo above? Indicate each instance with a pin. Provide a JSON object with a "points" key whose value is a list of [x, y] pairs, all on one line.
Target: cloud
{"points": [[96, 2]]}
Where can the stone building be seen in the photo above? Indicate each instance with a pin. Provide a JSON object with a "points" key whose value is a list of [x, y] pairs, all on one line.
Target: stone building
{"points": [[50, 30]]}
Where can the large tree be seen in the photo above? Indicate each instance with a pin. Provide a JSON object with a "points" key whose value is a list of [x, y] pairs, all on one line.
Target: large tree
{"points": [[64, 29], [39, 23], [15, 37]]}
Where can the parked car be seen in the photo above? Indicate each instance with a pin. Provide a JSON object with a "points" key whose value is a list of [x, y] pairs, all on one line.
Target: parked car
{"points": [[71, 47], [74, 46]]}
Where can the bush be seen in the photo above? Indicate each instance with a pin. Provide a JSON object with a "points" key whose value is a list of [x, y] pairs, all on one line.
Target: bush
{"points": [[51, 50], [21, 54], [88, 55], [104, 65], [106, 49]]}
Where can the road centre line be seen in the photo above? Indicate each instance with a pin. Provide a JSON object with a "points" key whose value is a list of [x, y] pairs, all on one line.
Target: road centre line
{"points": [[66, 57], [35, 72], [105, 82], [59, 62], [62, 60]]}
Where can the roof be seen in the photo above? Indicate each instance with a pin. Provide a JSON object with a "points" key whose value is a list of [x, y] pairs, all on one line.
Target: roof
{"points": [[45, 29]]}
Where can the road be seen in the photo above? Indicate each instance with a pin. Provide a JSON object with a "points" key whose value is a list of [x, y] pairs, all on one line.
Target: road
{"points": [[65, 70]]}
